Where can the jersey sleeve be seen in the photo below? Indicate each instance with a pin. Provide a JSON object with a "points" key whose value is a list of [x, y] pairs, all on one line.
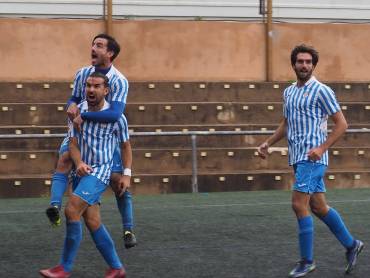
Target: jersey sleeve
{"points": [[328, 101], [285, 112], [119, 90], [110, 115], [122, 130], [77, 85], [72, 132]]}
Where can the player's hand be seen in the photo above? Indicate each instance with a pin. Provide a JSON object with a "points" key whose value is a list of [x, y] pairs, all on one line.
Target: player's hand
{"points": [[263, 150], [315, 153], [83, 169], [73, 111], [123, 184], [77, 122]]}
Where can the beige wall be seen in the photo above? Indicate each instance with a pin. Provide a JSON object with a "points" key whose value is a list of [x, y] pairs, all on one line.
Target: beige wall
{"points": [[47, 49]]}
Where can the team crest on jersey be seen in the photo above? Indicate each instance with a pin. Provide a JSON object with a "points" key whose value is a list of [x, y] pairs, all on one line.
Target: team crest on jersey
{"points": [[305, 94]]}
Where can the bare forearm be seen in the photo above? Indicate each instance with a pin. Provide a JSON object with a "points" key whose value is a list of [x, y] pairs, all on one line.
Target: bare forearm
{"points": [[279, 134], [338, 130], [126, 154]]}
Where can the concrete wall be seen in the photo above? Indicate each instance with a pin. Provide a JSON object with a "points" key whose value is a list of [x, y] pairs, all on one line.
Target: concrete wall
{"points": [[52, 49]]}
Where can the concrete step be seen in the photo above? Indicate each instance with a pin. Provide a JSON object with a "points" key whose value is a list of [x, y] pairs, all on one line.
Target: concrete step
{"points": [[152, 91], [34, 186], [179, 161], [205, 113]]}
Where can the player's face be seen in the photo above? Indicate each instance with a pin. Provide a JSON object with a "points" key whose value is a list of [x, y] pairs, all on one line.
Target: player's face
{"points": [[95, 91], [100, 56], [303, 66]]}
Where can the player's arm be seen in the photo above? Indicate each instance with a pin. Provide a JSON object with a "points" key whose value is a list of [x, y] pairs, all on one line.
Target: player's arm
{"points": [[329, 105], [82, 168], [76, 97], [340, 126], [110, 115], [126, 154], [279, 134]]}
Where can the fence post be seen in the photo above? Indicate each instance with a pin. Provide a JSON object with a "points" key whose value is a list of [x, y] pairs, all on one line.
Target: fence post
{"points": [[194, 164]]}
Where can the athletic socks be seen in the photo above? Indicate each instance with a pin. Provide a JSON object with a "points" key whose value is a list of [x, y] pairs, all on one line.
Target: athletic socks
{"points": [[58, 188], [336, 225], [305, 235], [124, 204], [106, 247], [71, 244]]}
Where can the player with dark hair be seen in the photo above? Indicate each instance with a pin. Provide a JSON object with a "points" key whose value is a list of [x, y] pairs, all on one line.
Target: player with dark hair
{"points": [[307, 105], [92, 149], [103, 51]]}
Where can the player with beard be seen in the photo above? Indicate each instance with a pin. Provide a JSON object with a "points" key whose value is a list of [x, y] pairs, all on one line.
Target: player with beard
{"points": [[92, 149], [104, 50], [307, 105]]}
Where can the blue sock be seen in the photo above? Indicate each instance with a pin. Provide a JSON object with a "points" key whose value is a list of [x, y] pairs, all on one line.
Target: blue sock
{"points": [[124, 204], [305, 225], [105, 245], [58, 188], [336, 225], [71, 244]]}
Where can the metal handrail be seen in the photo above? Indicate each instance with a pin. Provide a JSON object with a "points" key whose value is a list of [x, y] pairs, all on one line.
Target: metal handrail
{"points": [[171, 133], [193, 134]]}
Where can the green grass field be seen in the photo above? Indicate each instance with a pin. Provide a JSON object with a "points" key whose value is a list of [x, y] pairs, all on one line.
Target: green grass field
{"points": [[237, 234]]}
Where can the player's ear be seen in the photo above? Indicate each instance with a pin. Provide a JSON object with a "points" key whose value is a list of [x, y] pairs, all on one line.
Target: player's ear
{"points": [[110, 55], [106, 91]]}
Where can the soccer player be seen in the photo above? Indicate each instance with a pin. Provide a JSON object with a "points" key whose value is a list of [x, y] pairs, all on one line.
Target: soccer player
{"points": [[92, 149], [307, 105], [103, 52]]}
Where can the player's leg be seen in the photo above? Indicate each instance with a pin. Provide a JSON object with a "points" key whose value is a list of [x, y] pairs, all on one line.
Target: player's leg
{"points": [[125, 207], [124, 202], [59, 183], [103, 241], [300, 204], [336, 225], [74, 209]]}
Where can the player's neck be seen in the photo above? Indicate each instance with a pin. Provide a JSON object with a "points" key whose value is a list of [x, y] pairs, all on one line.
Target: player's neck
{"points": [[103, 68], [96, 108], [302, 82]]}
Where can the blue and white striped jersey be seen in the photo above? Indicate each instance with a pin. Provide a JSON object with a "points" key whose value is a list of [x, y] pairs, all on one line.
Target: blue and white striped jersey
{"points": [[97, 142], [306, 110], [118, 84]]}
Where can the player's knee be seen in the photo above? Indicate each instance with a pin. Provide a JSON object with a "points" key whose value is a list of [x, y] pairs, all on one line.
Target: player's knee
{"points": [[64, 163], [298, 207], [92, 223], [71, 212], [319, 211]]}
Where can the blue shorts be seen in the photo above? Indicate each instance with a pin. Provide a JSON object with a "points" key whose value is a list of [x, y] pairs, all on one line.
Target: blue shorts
{"points": [[309, 177], [64, 147], [88, 188], [117, 161]]}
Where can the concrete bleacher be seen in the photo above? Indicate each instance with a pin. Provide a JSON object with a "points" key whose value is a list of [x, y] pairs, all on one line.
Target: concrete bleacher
{"points": [[162, 164]]}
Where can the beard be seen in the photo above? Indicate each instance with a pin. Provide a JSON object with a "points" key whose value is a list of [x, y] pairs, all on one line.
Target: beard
{"points": [[303, 75]]}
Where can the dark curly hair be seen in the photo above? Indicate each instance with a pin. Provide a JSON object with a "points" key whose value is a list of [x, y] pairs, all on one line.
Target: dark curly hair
{"points": [[302, 48]]}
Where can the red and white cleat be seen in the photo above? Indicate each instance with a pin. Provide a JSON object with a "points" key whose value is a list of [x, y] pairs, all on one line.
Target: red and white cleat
{"points": [[55, 272]]}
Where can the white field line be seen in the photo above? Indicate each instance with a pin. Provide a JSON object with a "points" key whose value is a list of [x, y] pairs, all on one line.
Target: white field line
{"points": [[196, 206]]}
